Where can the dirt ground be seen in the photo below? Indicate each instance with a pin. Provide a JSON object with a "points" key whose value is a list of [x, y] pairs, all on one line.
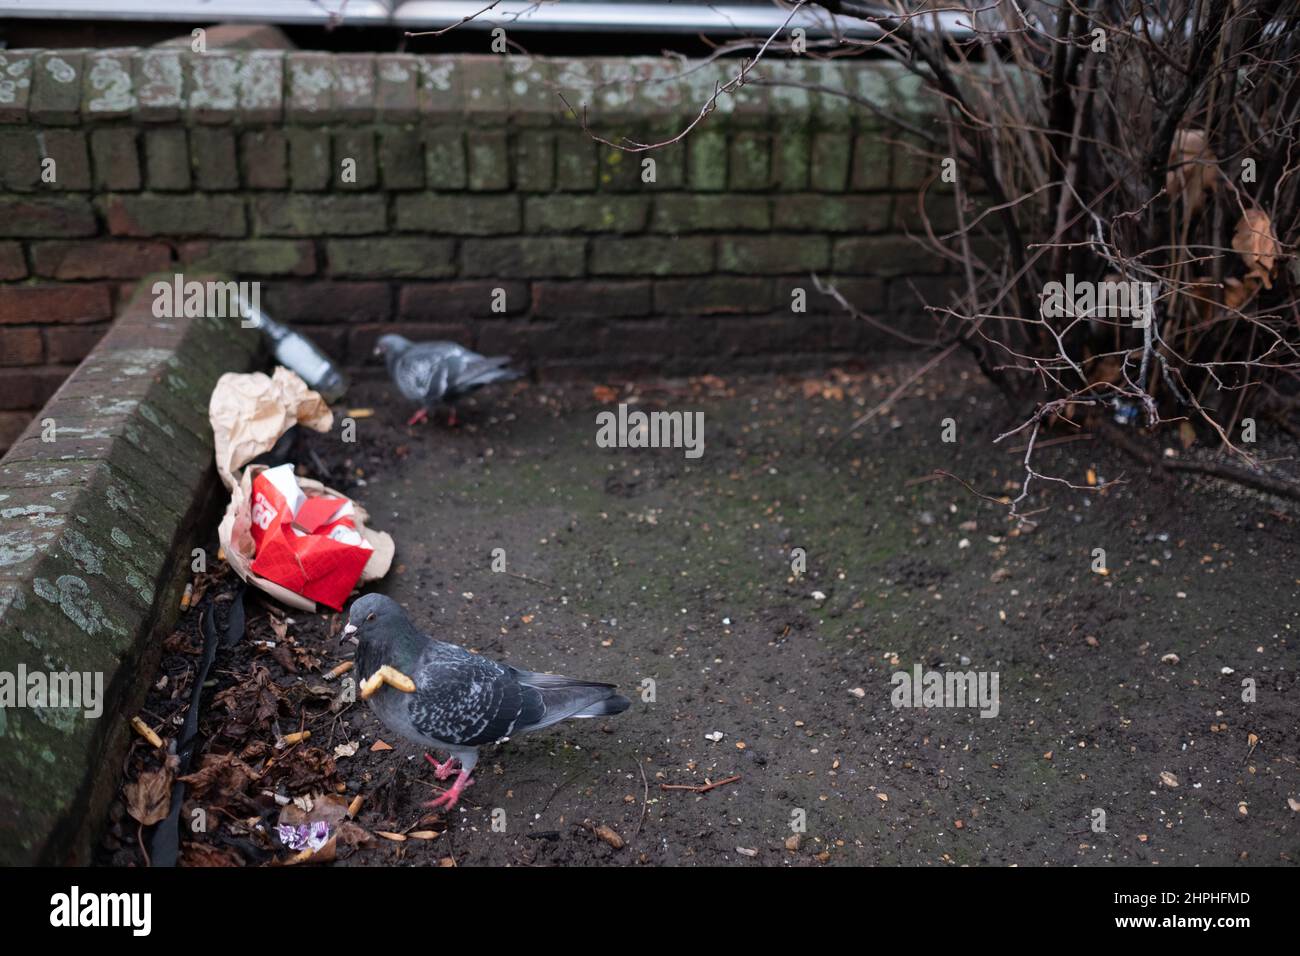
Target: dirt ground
{"points": [[1119, 692]]}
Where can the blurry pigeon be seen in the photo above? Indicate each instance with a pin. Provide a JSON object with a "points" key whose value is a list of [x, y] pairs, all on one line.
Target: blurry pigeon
{"points": [[433, 372], [461, 700]]}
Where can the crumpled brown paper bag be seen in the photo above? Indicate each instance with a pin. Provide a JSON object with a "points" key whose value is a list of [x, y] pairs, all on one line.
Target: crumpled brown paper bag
{"points": [[249, 413]]}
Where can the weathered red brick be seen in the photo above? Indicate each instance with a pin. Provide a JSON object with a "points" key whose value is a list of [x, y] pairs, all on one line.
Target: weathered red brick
{"points": [[313, 301], [107, 91], [401, 158], [213, 152], [434, 301], [711, 295], [167, 159], [354, 86], [261, 87], [71, 167], [522, 258], [652, 255], [356, 147], [399, 258], [29, 388], [21, 346], [319, 215], [309, 159], [260, 257], [159, 84], [21, 218], [99, 259], [311, 87], [264, 159], [213, 86], [23, 304], [396, 78], [12, 424], [72, 343], [12, 265], [175, 216], [56, 87], [17, 66], [20, 159], [117, 163], [584, 300]]}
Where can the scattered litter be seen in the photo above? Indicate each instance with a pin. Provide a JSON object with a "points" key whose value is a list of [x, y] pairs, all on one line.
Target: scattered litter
{"points": [[293, 538], [145, 731]]}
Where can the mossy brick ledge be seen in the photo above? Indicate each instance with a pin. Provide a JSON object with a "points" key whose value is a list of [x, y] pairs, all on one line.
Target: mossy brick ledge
{"points": [[96, 527]]}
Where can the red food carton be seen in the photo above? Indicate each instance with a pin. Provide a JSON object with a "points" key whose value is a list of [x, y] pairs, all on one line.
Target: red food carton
{"points": [[308, 545]]}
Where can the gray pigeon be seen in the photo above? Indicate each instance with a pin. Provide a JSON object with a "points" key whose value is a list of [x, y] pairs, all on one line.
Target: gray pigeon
{"points": [[461, 700], [433, 372]]}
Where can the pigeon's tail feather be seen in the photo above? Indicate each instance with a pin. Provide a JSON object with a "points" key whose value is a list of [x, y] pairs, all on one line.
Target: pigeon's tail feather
{"points": [[485, 371], [563, 697], [611, 705]]}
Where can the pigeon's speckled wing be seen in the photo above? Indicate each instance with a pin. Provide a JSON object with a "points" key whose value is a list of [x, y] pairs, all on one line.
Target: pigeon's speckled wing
{"points": [[469, 700], [421, 374]]}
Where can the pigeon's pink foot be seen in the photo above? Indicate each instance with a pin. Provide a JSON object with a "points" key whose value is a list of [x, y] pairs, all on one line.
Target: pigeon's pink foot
{"points": [[441, 770], [418, 417], [449, 799], [451, 418]]}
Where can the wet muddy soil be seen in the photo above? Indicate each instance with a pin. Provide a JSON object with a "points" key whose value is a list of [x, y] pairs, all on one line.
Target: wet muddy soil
{"points": [[755, 603]]}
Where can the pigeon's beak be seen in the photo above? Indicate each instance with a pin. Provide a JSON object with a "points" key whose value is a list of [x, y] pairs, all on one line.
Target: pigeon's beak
{"points": [[350, 633]]}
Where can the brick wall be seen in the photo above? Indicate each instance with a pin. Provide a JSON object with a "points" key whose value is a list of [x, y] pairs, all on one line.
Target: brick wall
{"points": [[476, 209]]}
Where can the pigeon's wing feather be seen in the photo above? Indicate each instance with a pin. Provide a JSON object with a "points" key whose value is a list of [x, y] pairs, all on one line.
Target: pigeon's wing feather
{"points": [[468, 700], [477, 371], [420, 375]]}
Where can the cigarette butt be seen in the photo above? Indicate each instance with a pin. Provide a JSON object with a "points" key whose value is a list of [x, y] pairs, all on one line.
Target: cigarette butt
{"points": [[395, 837], [360, 412], [187, 597], [355, 806], [221, 554], [340, 670], [297, 737], [424, 835], [145, 731]]}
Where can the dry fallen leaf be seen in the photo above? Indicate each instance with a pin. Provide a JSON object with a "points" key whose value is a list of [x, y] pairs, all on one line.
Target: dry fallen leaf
{"points": [[604, 394], [1193, 168], [1257, 245], [1237, 292], [149, 796], [379, 745]]}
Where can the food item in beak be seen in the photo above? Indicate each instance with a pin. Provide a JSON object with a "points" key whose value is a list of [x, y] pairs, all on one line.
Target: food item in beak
{"points": [[387, 675]]}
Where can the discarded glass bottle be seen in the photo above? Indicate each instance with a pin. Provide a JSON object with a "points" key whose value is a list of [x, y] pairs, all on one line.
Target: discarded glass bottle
{"points": [[297, 352]]}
